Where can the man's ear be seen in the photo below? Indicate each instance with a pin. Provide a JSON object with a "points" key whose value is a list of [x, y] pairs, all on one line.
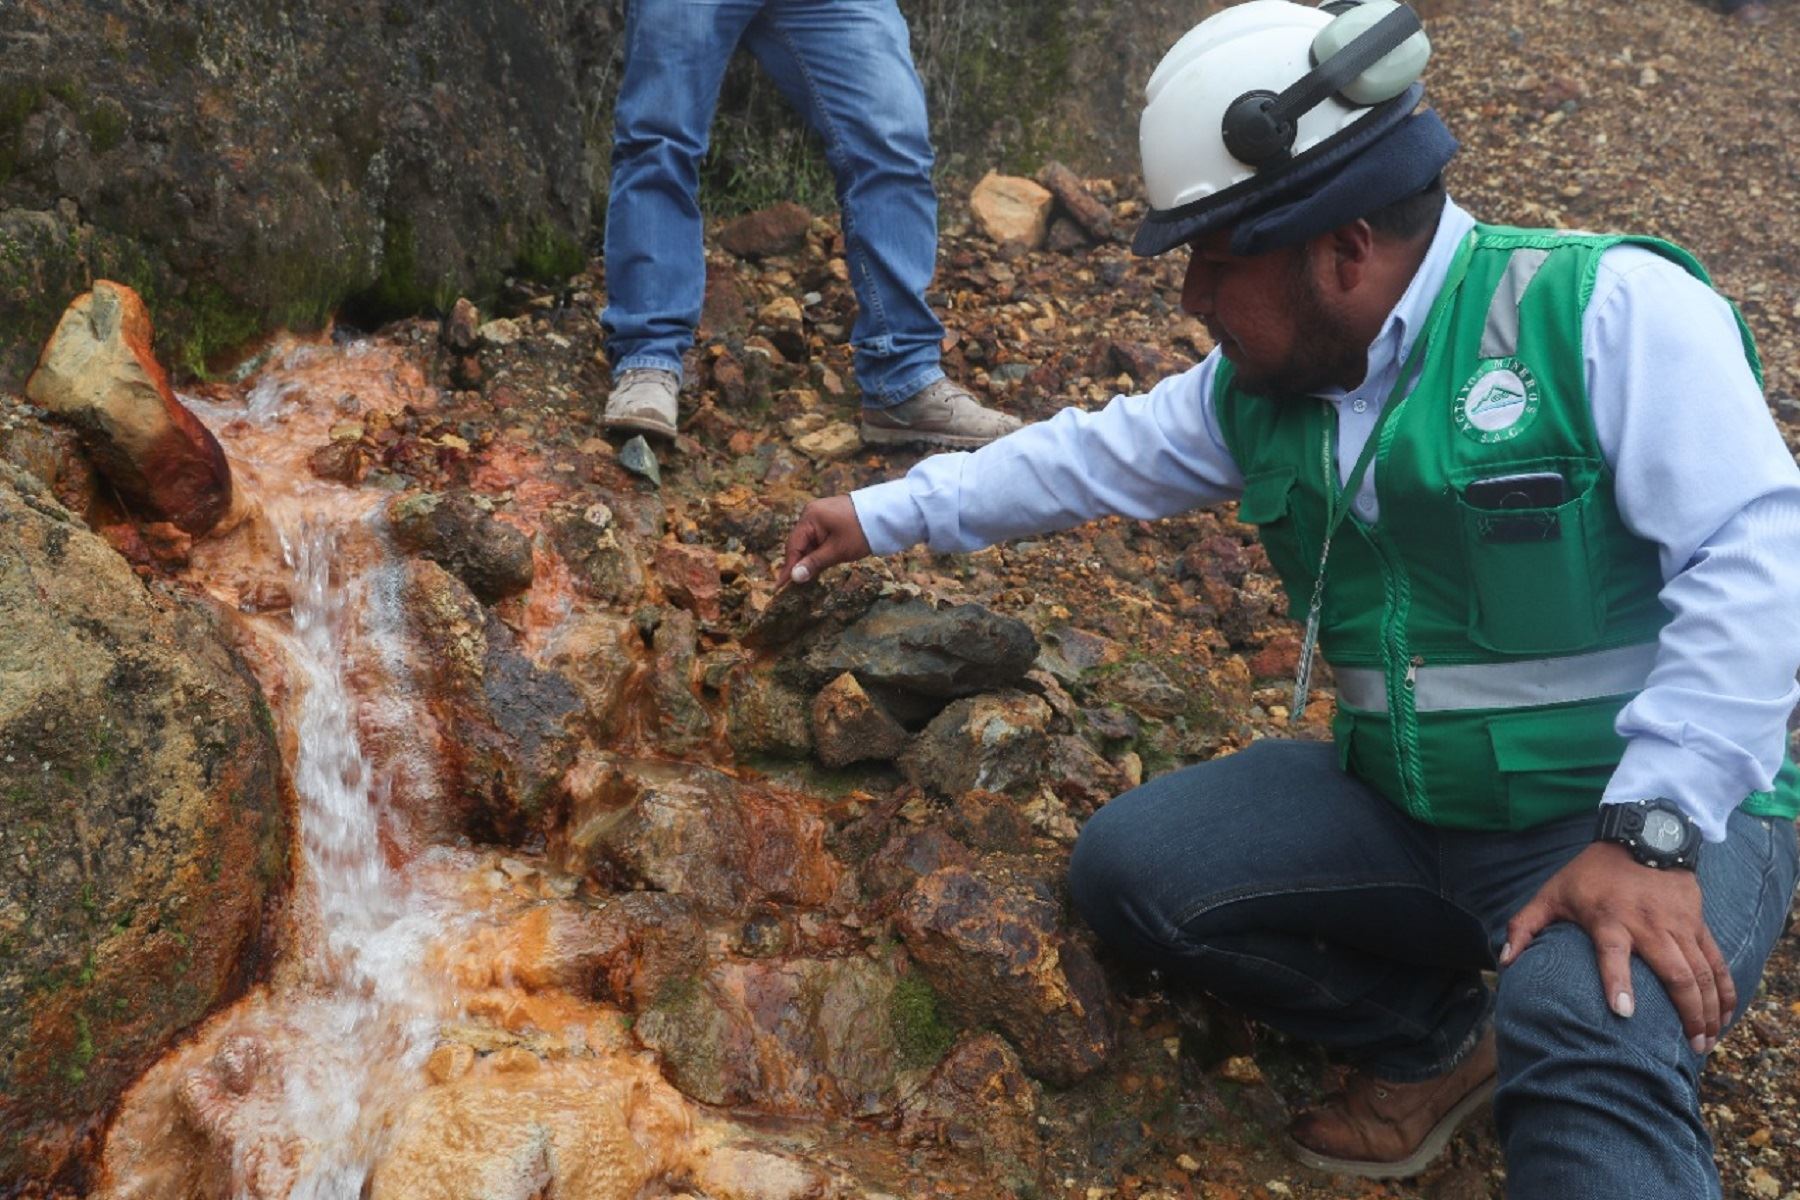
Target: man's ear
{"points": [[1349, 250]]}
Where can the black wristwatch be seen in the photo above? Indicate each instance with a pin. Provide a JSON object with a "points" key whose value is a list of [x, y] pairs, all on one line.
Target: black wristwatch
{"points": [[1657, 833]]}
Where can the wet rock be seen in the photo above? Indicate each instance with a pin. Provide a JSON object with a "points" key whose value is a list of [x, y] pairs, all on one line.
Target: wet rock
{"points": [[490, 556], [795, 1037], [766, 716], [100, 374], [598, 654], [848, 726], [780, 229], [980, 1101], [698, 833], [1011, 210], [622, 950], [913, 646], [602, 557], [1074, 199], [682, 724], [52, 453], [690, 577], [141, 823], [512, 728], [991, 946], [341, 462], [908, 857], [594, 1128], [994, 742]]}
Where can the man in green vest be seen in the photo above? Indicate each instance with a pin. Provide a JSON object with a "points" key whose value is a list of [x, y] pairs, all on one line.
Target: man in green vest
{"points": [[1523, 490]]}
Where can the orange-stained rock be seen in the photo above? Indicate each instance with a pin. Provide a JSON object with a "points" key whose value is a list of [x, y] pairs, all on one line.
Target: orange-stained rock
{"points": [[698, 833], [98, 372], [795, 1037], [1011, 210], [140, 803], [849, 727], [690, 577], [993, 947], [979, 1099]]}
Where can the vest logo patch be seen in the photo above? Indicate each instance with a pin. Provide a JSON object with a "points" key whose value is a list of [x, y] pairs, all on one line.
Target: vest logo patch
{"points": [[1499, 403]]}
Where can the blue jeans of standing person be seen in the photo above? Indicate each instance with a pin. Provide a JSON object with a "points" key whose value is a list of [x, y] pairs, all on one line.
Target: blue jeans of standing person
{"points": [[847, 67], [1291, 891]]}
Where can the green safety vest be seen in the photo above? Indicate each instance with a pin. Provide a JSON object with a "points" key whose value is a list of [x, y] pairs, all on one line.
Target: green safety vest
{"points": [[1481, 655]]}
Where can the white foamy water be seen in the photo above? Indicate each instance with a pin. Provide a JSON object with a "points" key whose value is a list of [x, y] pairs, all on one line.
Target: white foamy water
{"points": [[355, 1011]]}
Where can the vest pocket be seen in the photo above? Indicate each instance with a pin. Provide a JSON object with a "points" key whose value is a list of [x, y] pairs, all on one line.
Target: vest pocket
{"points": [[1555, 761], [1533, 574], [1267, 503]]}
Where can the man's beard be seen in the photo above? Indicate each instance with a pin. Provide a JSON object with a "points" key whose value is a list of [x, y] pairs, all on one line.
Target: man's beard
{"points": [[1325, 353]]}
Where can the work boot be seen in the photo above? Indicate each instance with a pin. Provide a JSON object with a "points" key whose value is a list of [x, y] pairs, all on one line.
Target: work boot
{"points": [[643, 401], [1380, 1130], [938, 414]]}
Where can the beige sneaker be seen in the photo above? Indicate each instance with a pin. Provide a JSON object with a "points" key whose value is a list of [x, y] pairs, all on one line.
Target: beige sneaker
{"points": [[939, 414], [643, 401]]}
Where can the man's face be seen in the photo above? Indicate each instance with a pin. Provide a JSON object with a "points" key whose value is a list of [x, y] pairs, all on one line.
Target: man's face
{"points": [[1269, 319]]}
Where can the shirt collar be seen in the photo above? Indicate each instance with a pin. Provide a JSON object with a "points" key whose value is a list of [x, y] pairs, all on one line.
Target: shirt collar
{"points": [[1406, 321]]}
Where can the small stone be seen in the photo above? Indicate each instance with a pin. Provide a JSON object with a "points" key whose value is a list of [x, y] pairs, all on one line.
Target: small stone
{"points": [[502, 332], [637, 457], [835, 441], [450, 1062], [1762, 1184]]}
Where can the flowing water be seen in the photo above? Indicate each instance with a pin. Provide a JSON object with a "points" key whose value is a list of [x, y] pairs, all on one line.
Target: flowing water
{"points": [[425, 1030]]}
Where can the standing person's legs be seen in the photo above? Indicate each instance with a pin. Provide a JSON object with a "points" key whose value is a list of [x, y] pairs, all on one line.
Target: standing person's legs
{"points": [[846, 65], [676, 52], [1292, 892], [1588, 1099]]}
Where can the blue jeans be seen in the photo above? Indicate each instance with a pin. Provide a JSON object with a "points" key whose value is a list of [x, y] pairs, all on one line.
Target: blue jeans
{"points": [[1291, 891], [846, 66]]}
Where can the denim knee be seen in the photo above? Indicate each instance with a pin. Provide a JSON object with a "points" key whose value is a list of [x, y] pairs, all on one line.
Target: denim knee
{"points": [[1100, 871]]}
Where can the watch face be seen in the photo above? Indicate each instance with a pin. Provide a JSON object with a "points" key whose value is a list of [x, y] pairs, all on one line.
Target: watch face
{"points": [[1663, 832]]}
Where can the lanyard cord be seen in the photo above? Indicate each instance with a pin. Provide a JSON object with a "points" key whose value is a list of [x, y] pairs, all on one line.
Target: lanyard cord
{"points": [[1396, 400]]}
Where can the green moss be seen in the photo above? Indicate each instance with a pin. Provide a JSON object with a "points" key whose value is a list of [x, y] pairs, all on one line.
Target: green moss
{"points": [[105, 122], [215, 323], [17, 102], [549, 255], [921, 1034]]}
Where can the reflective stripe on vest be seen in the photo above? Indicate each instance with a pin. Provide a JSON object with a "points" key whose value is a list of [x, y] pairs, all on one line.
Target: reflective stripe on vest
{"points": [[1507, 684]]}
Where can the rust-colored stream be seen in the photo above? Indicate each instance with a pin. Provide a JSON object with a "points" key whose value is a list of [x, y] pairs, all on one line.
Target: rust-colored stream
{"points": [[409, 1041]]}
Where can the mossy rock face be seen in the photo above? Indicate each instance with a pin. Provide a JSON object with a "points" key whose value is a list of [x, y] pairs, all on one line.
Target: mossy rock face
{"points": [[141, 824], [250, 164], [1009, 84]]}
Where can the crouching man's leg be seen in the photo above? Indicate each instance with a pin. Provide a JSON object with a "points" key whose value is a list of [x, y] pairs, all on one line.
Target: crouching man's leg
{"points": [[1591, 1104], [1289, 890]]}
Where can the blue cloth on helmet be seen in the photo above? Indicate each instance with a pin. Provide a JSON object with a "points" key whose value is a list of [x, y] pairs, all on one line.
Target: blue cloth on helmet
{"points": [[1388, 155]]}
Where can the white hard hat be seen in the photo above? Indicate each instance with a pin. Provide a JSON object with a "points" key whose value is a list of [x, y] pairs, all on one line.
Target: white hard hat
{"points": [[1253, 90]]}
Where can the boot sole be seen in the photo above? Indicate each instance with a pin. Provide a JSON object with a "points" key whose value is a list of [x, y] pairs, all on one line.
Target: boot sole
{"points": [[874, 435], [640, 425], [1427, 1153]]}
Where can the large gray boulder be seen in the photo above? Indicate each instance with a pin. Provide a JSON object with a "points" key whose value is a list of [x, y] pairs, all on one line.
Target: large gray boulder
{"points": [[141, 824], [244, 164]]}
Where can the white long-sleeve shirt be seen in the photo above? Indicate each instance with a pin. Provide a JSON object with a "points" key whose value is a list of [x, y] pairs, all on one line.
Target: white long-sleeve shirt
{"points": [[1699, 469]]}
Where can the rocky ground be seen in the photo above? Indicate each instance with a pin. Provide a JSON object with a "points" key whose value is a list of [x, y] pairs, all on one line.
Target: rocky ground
{"points": [[1162, 643], [1658, 117]]}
